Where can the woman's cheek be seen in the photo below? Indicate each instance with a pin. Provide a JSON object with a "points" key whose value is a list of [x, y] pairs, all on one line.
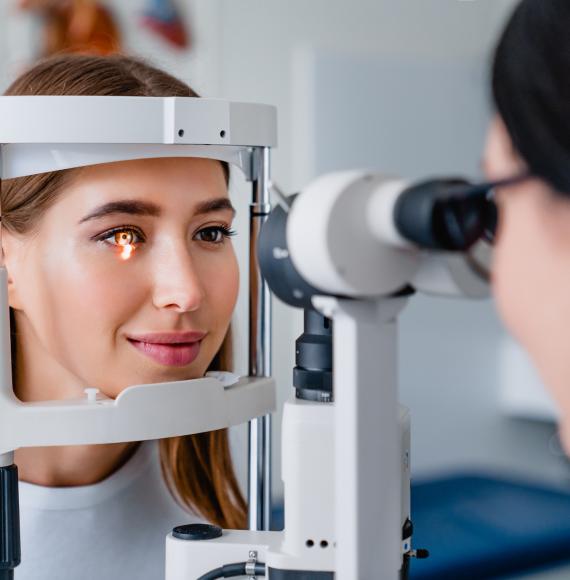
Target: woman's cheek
{"points": [[519, 261], [505, 283], [100, 291], [220, 274], [102, 288], [233, 282]]}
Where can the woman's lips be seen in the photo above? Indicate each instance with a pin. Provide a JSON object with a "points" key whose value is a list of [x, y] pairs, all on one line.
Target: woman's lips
{"points": [[177, 354]]}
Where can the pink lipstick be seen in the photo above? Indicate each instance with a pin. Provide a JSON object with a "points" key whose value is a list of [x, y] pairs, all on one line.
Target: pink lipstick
{"points": [[169, 348]]}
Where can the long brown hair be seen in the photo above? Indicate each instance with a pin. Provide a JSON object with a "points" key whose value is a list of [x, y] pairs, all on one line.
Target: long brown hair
{"points": [[197, 468]]}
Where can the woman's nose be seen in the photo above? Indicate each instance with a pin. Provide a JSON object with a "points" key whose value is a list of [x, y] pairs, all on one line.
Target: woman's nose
{"points": [[177, 284]]}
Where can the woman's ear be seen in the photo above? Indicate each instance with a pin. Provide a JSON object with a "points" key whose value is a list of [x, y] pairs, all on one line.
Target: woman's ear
{"points": [[11, 248]]}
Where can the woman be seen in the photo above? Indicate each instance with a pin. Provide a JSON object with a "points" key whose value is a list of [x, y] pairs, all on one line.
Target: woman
{"points": [[119, 274], [531, 133]]}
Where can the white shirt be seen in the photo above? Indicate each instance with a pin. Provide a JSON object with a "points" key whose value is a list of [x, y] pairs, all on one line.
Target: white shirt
{"points": [[112, 530]]}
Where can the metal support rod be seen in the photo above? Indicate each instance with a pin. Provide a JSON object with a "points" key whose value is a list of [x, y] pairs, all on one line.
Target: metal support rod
{"points": [[259, 460]]}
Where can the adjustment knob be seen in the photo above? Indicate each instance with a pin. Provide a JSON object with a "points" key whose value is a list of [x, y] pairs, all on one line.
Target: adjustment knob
{"points": [[197, 532]]}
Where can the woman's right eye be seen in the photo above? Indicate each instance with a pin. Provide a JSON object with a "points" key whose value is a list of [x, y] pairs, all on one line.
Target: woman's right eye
{"points": [[124, 239], [121, 237]]}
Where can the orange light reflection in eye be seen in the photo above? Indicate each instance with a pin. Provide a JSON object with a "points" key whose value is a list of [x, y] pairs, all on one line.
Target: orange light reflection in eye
{"points": [[127, 251]]}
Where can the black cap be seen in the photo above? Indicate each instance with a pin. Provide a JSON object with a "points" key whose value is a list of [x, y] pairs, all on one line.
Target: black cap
{"points": [[197, 532]]}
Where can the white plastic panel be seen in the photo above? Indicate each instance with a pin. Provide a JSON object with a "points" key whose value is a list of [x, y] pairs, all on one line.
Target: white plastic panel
{"points": [[168, 120], [140, 412], [21, 159], [187, 560]]}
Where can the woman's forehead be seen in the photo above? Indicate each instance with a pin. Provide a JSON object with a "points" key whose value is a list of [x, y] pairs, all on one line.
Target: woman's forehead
{"points": [[152, 186], [167, 170]]}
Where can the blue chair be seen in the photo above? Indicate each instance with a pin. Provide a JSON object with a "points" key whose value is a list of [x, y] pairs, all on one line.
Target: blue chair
{"points": [[483, 526]]}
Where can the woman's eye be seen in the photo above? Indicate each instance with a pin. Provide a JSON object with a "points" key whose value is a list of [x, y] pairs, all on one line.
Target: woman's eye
{"points": [[214, 234], [124, 238], [129, 238], [121, 237]]}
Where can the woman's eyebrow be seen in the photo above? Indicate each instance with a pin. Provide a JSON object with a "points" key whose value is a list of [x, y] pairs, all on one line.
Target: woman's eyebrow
{"points": [[211, 205], [147, 208]]}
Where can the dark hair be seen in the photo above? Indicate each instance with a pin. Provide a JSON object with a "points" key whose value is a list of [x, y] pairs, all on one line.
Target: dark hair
{"points": [[531, 87], [197, 468]]}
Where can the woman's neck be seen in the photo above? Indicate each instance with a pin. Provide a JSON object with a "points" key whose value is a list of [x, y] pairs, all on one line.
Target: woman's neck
{"points": [[71, 465]]}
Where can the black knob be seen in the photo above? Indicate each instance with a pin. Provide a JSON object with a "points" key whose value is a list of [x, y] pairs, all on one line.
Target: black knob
{"points": [[197, 532]]}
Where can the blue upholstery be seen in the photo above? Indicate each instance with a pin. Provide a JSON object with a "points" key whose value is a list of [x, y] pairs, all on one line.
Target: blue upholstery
{"points": [[478, 526]]}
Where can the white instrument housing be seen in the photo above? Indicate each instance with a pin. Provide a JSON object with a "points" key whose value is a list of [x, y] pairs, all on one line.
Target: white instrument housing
{"points": [[50, 133], [347, 221], [346, 465]]}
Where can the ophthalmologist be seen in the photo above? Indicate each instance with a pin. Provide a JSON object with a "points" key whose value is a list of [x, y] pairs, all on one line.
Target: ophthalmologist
{"points": [[530, 135]]}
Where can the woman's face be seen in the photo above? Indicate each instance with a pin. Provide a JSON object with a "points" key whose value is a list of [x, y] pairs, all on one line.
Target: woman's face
{"points": [[531, 269], [157, 260]]}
